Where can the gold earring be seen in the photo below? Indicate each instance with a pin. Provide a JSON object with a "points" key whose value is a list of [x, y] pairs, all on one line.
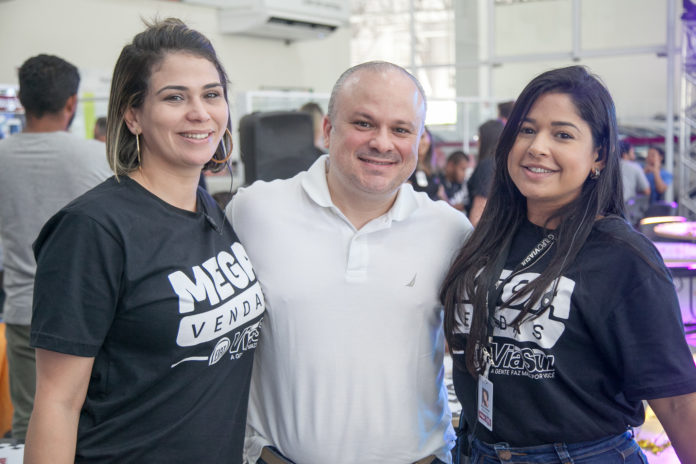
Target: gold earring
{"points": [[229, 152], [137, 147]]}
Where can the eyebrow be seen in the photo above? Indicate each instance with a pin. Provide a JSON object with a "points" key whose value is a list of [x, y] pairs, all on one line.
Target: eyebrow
{"points": [[184, 88], [556, 123], [397, 122]]}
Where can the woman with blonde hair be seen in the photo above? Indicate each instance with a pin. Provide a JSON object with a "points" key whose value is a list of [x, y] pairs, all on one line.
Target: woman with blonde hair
{"points": [[146, 308]]}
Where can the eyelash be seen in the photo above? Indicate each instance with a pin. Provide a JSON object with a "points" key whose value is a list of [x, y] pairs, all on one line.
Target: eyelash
{"points": [[529, 131], [178, 97]]}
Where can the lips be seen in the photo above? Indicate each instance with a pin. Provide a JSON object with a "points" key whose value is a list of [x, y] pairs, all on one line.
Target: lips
{"points": [[376, 161], [538, 169], [196, 135]]}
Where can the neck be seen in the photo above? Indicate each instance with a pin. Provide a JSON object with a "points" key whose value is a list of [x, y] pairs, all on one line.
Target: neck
{"points": [[360, 209], [539, 217], [46, 123], [170, 187], [360, 213]]}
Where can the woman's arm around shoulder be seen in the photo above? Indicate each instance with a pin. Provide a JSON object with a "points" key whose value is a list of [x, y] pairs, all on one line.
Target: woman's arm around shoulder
{"points": [[677, 414], [61, 388]]}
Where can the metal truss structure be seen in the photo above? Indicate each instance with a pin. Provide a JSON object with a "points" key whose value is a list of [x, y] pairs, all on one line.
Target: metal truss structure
{"points": [[686, 161]]}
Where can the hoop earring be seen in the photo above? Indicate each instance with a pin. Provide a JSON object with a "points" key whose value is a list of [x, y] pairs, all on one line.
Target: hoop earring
{"points": [[137, 147], [229, 152], [595, 174]]}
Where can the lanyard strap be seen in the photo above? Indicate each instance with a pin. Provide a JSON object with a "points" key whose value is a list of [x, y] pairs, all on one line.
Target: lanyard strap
{"points": [[495, 290]]}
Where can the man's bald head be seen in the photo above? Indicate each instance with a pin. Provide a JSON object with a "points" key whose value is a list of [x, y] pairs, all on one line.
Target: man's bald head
{"points": [[370, 66]]}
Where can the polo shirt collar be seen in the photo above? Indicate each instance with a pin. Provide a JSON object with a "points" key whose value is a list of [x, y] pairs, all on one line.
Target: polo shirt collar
{"points": [[317, 188]]}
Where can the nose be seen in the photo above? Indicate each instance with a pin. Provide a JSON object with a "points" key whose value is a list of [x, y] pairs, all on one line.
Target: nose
{"points": [[539, 145], [382, 140], [197, 110]]}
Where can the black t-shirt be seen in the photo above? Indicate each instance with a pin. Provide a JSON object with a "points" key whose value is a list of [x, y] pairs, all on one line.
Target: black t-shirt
{"points": [[612, 337], [482, 178], [453, 190], [168, 304]]}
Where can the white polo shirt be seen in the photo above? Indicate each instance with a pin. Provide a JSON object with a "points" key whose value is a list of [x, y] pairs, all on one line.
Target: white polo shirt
{"points": [[349, 364]]}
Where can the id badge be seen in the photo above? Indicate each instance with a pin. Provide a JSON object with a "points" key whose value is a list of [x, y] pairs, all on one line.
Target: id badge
{"points": [[485, 402]]}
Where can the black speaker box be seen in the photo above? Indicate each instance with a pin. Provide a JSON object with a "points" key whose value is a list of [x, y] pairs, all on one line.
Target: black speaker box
{"points": [[276, 145]]}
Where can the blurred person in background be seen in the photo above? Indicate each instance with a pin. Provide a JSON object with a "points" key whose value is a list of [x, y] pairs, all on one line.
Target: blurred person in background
{"points": [[100, 129], [479, 183], [504, 110], [41, 170], [453, 187], [658, 177], [317, 114], [423, 178]]}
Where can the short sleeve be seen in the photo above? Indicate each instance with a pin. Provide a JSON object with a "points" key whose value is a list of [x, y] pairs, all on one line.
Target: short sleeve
{"points": [[666, 177], [76, 291], [642, 180], [644, 332]]}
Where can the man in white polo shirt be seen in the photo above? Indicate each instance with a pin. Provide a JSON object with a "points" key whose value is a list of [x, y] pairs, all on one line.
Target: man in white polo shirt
{"points": [[350, 259]]}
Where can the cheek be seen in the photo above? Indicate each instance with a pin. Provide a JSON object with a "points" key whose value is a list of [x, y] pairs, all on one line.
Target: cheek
{"points": [[225, 117], [353, 141], [410, 149], [510, 161], [515, 155]]}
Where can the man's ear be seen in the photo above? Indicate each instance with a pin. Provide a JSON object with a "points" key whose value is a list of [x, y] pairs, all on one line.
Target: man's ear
{"points": [[326, 130], [131, 119], [71, 105]]}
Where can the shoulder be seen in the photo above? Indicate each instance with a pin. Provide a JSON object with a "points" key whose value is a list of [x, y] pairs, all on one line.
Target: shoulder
{"points": [[440, 215], [90, 150], [621, 245], [94, 200], [110, 202], [261, 202], [94, 208], [629, 166], [261, 193]]}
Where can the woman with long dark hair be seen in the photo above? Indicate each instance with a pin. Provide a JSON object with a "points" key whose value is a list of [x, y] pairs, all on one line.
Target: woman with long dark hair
{"points": [[556, 307]]}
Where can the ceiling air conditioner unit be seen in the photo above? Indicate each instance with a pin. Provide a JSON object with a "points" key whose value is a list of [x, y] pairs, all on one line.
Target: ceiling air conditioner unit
{"points": [[283, 19]]}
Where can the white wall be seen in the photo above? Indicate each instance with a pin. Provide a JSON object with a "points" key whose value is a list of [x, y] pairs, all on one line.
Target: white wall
{"points": [[91, 33], [637, 82]]}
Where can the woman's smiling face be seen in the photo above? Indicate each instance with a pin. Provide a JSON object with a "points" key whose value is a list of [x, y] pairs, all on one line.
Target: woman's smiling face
{"points": [[552, 156], [184, 113]]}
